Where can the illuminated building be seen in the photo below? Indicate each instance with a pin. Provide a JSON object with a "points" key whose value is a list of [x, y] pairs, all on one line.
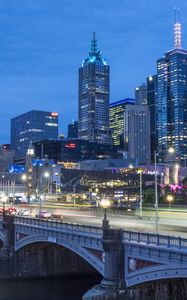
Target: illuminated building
{"points": [[141, 95], [117, 120], [172, 99], [32, 126], [137, 133], [93, 118], [152, 104], [74, 151], [73, 130]]}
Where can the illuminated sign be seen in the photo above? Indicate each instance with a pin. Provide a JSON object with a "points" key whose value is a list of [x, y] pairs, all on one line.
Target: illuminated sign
{"points": [[70, 145], [16, 169], [54, 114], [42, 162]]}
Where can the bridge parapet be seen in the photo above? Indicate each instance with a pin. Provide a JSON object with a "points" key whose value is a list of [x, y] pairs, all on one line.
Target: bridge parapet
{"points": [[58, 225], [155, 240]]}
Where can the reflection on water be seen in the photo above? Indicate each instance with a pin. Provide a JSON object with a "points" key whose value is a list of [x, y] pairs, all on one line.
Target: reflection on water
{"points": [[46, 289]]}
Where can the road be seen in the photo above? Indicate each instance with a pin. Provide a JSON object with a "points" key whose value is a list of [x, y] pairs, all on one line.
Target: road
{"points": [[170, 222]]}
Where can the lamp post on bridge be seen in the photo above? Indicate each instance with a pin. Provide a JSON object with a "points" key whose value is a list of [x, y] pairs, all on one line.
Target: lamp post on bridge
{"points": [[140, 171], [156, 192], [169, 150], [105, 203]]}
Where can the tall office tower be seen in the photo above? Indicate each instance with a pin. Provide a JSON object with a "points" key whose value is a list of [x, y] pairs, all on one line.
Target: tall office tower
{"points": [[172, 98], [152, 104], [141, 94], [73, 130], [117, 120], [32, 126], [137, 133], [93, 119]]}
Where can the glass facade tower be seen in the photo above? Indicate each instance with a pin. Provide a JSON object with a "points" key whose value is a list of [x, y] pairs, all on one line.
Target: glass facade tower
{"points": [[172, 100], [32, 126], [137, 133], [117, 120], [141, 95], [93, 112]]}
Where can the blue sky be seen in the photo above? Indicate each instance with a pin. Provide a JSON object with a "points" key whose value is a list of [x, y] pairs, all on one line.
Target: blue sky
{"points": [[43, 43]]}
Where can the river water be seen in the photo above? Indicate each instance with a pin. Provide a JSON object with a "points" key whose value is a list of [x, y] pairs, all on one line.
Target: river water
{"points": [[46, 289]]}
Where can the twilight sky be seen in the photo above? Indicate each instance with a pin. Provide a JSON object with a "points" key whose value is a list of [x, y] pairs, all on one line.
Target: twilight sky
{"points": [[43, 43]]}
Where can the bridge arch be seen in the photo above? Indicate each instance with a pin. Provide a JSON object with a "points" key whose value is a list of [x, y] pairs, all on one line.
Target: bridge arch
{"points": [[93, 260], [158, 273]]}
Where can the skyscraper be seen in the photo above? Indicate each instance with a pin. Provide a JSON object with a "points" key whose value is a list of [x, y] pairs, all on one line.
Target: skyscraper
{"points": [[93, 115], [172, 98], [73, 130], [152, 104], [137, 133], [32, 126], [117, 120], [141, 94]]}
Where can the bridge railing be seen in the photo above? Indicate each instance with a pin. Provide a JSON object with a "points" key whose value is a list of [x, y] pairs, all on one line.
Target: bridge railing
{"points": [[155, 239], [58, 225]]}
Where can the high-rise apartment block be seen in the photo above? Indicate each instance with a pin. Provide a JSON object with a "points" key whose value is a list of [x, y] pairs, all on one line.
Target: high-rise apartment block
{"points": [[32, 126], [172, 99], [141, 94], [117, 120], [94, 89], [137, 133], [152, 104]]}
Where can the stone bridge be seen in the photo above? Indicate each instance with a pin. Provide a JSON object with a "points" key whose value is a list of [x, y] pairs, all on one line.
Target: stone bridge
{"points": [[124, 258]]}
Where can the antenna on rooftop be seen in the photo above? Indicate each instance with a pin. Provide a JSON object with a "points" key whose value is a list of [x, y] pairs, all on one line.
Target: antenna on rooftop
{"points": [[177, 30]]}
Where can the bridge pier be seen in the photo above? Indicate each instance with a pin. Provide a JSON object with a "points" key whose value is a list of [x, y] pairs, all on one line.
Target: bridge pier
{"points": [[8, 230], [110, 287]]}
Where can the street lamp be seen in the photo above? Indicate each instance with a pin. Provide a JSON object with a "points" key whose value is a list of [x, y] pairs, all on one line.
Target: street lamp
{"points": [[156, 193], [170, 150], [169, 199], [46, 175], [105, 203], [140, 171], [40, 205]]}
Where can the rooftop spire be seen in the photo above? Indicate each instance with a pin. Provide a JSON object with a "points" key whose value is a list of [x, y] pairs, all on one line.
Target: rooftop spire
{"points": [[94, 48], [177, 30]]}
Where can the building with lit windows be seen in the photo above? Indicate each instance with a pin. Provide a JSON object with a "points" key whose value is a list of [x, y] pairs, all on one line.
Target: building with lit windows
{"points": [[137, 133], [73, 130], [117, 120], [32, 126], [74, 151], [141, 94], [172, 99], [152, 104], [94, 89]]}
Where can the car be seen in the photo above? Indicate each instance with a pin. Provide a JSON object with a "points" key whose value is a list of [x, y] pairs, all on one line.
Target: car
{"points": [[44, 215], [24, 212], [10, 210], [57, 217]]}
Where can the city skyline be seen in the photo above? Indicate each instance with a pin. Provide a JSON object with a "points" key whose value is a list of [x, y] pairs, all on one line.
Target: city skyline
{"points": [[42, 47]]}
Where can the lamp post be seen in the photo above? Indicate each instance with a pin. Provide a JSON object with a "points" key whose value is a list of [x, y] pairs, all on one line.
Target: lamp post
{"points": [[40, 205], [105, 203], [169, 199], [46, 175], [156, 193], [141, 193], [169, 150], [24, 178], [141, 190]]}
